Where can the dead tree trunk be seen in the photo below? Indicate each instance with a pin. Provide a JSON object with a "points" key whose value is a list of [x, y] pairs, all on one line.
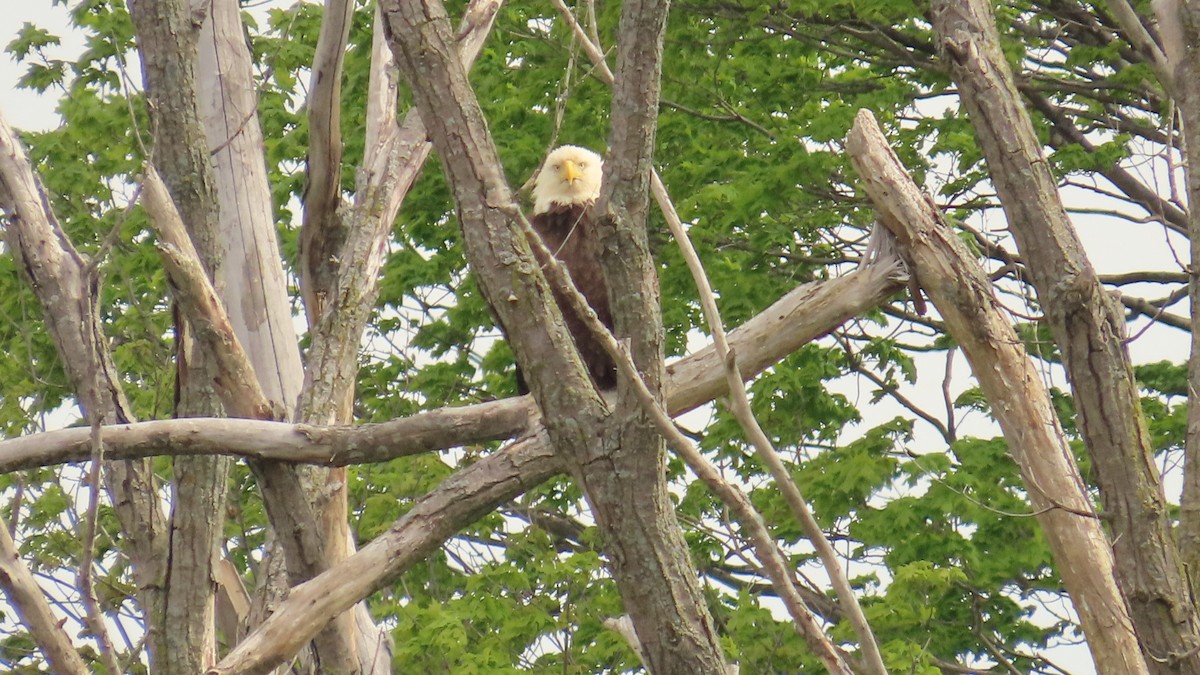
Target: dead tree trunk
{"points": [[666, 605], [962, 293], [1089, 329]]}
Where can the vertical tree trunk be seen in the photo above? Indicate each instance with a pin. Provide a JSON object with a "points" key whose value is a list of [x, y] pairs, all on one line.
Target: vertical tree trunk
{"points": [[251, 278], [182, 636], [963, 294], [322, 199], [1089, 329], [251, 271], [342, 248], [1180, 27], [626, 482], [617, 456]]}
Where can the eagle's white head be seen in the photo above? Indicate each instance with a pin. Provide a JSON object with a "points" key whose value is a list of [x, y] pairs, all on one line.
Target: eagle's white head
{"points": [[571, 175]]}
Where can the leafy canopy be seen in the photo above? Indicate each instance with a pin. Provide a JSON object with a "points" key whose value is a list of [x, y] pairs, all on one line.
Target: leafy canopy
{"points": [[756, 99]]}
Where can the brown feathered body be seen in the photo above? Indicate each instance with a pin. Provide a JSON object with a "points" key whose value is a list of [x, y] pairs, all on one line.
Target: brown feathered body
{"points": [[564, 191], [569, 234]]}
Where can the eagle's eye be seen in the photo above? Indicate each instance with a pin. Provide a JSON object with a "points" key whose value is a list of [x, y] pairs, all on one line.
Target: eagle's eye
{"points": [[583, 165], [557, 167]]}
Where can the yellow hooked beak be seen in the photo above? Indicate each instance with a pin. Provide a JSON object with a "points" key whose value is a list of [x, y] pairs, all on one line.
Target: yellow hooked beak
{"points": [[571, 172]]}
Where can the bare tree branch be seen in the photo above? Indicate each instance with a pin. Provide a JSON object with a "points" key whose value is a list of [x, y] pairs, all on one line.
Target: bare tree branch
{"points": [[301, 611], [59, 277], [278, 441], [963, 295], [805, 314], [740, 402], [322, 189], [1137, 34], [235, 379], [34, 612], [751, 521], [787, 322], [94, 618], [458, 501], [1089, 329], [740, 406]]}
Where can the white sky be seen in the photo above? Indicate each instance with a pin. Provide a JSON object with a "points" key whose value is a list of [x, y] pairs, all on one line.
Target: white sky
{"points": [[1110, 242], [25, 109]]}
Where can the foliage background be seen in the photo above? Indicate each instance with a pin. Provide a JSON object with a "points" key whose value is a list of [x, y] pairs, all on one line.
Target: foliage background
{"points": [[929, 511]]}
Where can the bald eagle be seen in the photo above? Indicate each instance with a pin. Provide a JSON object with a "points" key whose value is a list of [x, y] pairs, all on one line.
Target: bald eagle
{"points": [[563, 193]]}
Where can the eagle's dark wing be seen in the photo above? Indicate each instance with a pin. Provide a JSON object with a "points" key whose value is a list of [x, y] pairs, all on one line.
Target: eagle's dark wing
{"points": [[569, 233]]}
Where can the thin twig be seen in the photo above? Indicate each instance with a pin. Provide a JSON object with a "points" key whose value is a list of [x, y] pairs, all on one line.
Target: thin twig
{"points": [[765, 546], [740, 406], [87, 590], [947, 398], [855, 364], [94, 618], [110, 240]]}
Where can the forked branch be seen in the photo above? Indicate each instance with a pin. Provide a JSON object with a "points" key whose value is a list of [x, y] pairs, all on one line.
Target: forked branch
{"points": [[962, 293]]}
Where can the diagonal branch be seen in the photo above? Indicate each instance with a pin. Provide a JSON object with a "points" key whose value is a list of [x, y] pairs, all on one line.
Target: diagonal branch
{"points": [[1135, 31], [460, 500], [1171, 216], [59, 277], [300, 617], [1088, 327], [740, 402], [808, 312], [487, 484], [765, 547], [236, 383], [34, 612], [963, 295]]}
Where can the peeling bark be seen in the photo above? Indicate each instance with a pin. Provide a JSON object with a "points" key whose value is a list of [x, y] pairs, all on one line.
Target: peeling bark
{"points": [[963, 295], [1089, 329], [66, 290], [251, 275], [648, 556], [34, 612]]}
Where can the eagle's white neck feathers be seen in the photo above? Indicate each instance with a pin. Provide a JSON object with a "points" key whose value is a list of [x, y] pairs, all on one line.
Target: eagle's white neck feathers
{"points": [[571, 175]]}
